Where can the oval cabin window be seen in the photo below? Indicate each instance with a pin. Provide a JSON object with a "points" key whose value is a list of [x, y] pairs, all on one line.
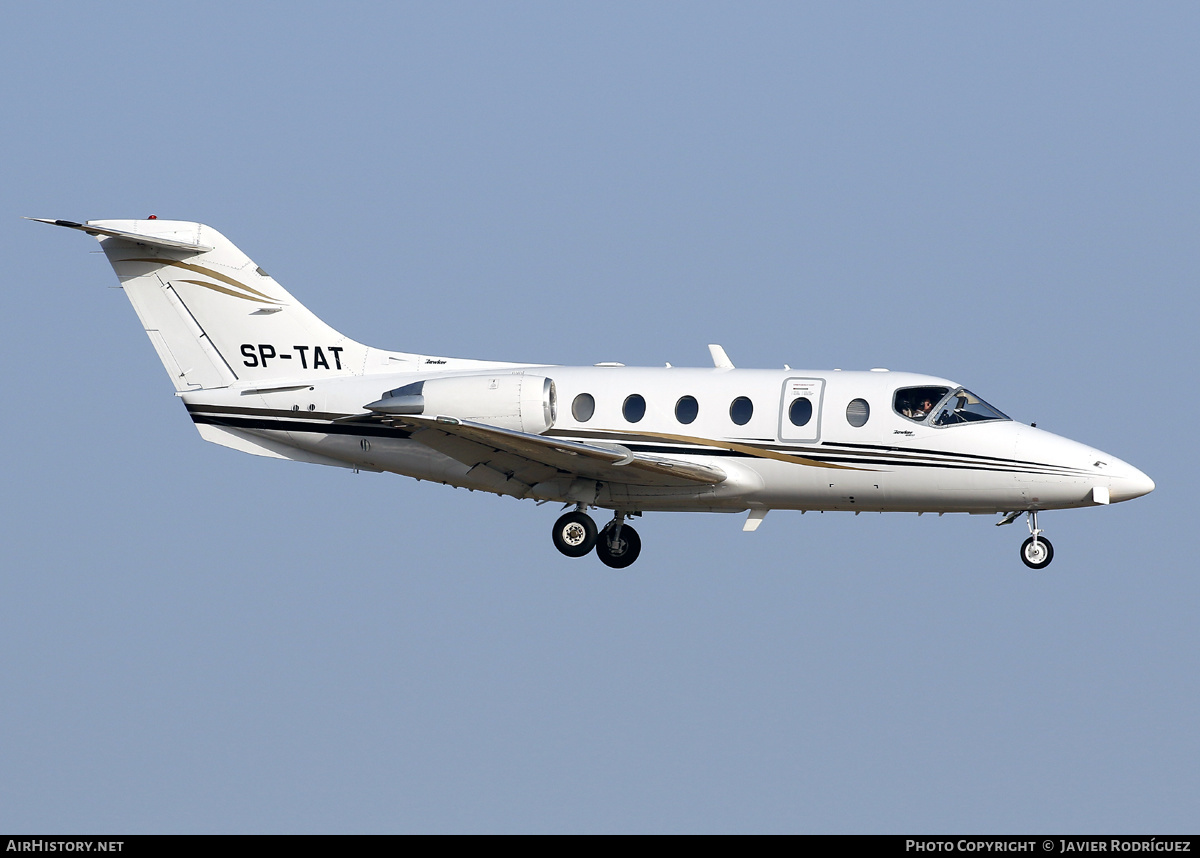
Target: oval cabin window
{"points": [[857, 412], [686, 409], [741, 411], [800, 411], [634, 408], [583, 407]]}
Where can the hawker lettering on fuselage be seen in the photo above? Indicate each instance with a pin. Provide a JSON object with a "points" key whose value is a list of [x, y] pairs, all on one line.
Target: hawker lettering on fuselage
{"points": [[258, 372]]}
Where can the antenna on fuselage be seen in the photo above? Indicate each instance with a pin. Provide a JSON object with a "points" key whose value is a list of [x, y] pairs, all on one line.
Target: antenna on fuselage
{"points": [[720, 359]]}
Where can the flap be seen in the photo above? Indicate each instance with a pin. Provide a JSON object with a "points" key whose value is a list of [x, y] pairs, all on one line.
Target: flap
{"points": [[531, 458]]}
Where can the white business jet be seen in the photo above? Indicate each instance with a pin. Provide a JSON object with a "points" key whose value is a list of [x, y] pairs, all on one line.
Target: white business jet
{"points": [[260, 373]]}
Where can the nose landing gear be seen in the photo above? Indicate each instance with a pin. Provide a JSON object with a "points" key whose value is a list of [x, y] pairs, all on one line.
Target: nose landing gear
{"points": [[1036, 552]]}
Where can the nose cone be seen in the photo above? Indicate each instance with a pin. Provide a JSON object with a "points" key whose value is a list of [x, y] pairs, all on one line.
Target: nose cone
{"points": [[1130, 483]]}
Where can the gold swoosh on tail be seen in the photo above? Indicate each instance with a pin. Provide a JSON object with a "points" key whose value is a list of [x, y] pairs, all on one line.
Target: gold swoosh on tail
{"points": [[217, 288], [208, 272]]}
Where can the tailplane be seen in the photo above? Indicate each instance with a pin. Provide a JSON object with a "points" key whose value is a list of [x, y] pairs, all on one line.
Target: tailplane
{"points": [[214, 317]]}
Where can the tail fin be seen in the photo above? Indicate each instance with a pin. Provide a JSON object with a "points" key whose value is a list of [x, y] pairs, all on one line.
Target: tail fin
{"points": [[214, 317]]}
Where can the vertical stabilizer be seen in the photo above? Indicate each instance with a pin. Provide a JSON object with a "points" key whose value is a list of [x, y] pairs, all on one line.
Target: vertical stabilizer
{"points": [[214, 317]]}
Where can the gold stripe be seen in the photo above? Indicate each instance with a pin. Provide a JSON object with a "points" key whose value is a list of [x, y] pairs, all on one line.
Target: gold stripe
{"points": [[217, 288], [200, 269], [758, 452]]}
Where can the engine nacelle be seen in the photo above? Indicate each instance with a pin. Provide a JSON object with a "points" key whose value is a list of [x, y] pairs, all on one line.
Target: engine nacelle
{"points": [[514, 400]]}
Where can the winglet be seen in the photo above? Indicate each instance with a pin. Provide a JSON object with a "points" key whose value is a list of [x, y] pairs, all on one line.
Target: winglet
{"points": [[720, 359], [136, 237]]}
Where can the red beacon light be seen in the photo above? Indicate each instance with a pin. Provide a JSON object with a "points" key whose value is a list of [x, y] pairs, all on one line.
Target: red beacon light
{"points": [[152, 217]]}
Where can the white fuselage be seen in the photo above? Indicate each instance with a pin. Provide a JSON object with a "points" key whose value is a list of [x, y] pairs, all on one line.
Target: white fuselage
{"points": [[888, 463]]}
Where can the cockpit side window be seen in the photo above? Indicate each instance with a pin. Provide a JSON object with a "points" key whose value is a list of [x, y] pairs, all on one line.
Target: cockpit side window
{"points": [[917, 403], [963, 406]]}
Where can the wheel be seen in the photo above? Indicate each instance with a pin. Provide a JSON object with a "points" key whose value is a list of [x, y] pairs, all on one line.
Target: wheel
{"points": [[575, 534], [1037, 555], [624, 552]]}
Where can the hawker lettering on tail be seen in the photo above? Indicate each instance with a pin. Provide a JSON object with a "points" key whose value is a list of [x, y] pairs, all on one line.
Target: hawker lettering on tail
{"points": [[260, 373]]}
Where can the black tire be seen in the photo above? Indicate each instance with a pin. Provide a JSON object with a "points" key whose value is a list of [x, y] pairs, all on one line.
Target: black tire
{"points": [[1038, 559], [575, 534], [623, 553]]}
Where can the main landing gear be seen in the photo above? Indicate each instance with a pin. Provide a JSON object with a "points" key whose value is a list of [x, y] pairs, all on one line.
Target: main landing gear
{"points": [[617, 545], [575, 534], [1036, 551]]}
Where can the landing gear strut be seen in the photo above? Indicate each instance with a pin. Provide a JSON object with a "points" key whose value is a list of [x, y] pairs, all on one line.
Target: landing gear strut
{"points": [[618, 544], [575, 534], [1036, 551]]}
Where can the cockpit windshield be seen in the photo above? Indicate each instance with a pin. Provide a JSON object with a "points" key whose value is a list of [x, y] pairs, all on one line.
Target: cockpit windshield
{"points": [[963, 406], [941, 407]]}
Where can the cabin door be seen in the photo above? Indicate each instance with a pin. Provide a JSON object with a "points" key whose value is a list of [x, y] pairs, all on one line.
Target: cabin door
{"points": [[800, 409]]}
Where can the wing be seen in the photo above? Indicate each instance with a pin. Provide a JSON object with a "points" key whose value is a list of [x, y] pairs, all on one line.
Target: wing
{"points": [[531, 459]]}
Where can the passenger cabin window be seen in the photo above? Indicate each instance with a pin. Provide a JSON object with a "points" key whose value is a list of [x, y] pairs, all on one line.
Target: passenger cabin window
{"points": [[917, 403], [634, 408], [741, 410], [963, 406], [858, 412], [583, 407], [686, 409], [800, 411]]}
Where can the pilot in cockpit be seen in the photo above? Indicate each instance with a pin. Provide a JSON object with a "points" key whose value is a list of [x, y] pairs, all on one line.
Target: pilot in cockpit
{"points": [[917, 403], [920, 409]]}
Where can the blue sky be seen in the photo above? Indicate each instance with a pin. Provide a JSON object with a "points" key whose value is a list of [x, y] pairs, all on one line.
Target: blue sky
{"points": [[197, 640]]}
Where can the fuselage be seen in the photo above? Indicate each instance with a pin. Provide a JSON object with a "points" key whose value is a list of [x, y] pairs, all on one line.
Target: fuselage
{"points": [[847, 446]]}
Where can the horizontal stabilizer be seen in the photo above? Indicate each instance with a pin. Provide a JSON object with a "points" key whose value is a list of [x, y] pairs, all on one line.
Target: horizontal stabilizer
{"points": [[135, 237]]}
